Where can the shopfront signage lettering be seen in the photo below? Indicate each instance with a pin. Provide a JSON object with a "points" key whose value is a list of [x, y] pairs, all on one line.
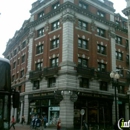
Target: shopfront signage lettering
{"points": [[36, 95]]}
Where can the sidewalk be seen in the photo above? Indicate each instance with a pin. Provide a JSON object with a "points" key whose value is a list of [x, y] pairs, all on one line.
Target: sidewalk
{"points": [[27, 127]]}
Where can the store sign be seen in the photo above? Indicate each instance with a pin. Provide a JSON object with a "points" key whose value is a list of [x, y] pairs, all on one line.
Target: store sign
{"points": [[54, 108]]}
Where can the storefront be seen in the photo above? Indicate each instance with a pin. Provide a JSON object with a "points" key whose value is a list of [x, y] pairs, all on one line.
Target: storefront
{"points": [[98, 110], [44, 104]]}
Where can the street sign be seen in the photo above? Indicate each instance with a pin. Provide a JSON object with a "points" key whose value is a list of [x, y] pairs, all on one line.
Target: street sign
{"points": [[119, 102]]}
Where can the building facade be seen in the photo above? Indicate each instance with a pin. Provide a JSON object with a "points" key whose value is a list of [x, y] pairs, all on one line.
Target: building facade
{"points": [[61, 60]]}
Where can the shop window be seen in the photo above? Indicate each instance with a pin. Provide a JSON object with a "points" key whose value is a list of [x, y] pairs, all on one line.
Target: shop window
{"points": [[40, 32], [55, 43], [84, 83], [83, 5], [83, 25], [54, 62], [101, 67], [101, 49], [52, 82], [36, 85], [45, 102], [120, 89], [55, 25], [38, 66], [100, 32], [83, 62], [56, 5], [119, 55], [39, 49], [118, 40], [103, 86], [82, 43]]}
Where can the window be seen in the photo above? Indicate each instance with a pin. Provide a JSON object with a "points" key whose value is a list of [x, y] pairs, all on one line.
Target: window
{"points": [[39, 49], [55, 6], [119, 55], [101, 14], [101, 49], [36, 85], [23, 59], [55, 43], [83, 62], [38, 66], [127, 59], [14, 65], [18, 61], [40, 32], [41, 14], [54, 62], [101, 32], [13, 78], [52, 82], [83, 5], [19, 88], [83, 43], [17, 75], [118, 40], [120, 71], [101, 67], [83, 25], [103, 85], [24, 44], [121, 89], [15, 52], [84, 83], [127, 44], [21, 73], [55, 25]]}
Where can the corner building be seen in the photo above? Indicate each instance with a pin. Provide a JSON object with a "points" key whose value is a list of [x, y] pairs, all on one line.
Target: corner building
{"points": [[61, 60]]}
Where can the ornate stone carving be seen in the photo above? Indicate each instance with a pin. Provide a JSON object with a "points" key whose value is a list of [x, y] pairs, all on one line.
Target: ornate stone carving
{"points": [[68, 18]]}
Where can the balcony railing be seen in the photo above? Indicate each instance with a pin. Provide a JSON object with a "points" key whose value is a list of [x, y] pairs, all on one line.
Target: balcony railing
{"points": [[105, 76], [85, 71], [50, 71], [34, 75]]}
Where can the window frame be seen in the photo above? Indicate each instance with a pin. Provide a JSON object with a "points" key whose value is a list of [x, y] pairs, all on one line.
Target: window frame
{"points": [[81, 25], [99, 49], [56, 5], [100, 67], [119, 55], [56, 41], [81, 43], [101, 32], [55, 25], [39, 49], [38, 66], [56, 62], [51, 81], [82, 62], [102, 87], [36, 84], [40, 32], [84, 83]]}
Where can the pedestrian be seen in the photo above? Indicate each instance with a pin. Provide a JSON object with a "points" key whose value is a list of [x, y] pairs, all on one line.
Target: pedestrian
{"points": [[42, 122], [45, 121], [33, 121], [23, 120], [38, 122], [13, 122], [59, 125]]}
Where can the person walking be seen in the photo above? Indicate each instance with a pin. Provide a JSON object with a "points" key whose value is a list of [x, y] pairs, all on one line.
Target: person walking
{"points": [[23, 120], [59, 125], [13, 122]]}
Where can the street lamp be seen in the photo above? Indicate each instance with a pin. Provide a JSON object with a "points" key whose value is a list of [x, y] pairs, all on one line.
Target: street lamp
{"points": [[115, 76]]}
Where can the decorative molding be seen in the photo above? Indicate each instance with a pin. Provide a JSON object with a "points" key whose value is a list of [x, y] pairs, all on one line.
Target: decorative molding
{"points": [[93, 26], [68, 18]]}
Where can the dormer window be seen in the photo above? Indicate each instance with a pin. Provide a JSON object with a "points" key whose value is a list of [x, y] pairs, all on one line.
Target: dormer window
{"points": [[41, 14], [55, 6], [83, 5], [101, 14]]}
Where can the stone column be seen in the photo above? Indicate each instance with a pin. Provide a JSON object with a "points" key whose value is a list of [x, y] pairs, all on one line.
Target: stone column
{"points": [[21, 111], [66, 111], [26, 107]]}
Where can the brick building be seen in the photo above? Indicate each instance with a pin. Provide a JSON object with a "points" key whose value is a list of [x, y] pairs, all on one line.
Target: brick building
{"points": [[61, 60]]}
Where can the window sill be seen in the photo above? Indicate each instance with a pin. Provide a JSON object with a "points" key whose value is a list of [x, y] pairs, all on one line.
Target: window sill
{"points": [[39, 37], [102, 37], [54, 30]]}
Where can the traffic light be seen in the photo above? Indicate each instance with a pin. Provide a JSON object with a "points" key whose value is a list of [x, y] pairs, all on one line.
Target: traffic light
{"points": [[16, 98]]}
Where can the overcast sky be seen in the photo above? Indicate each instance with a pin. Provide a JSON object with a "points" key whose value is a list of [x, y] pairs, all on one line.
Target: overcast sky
{"points": [[14, 12]]}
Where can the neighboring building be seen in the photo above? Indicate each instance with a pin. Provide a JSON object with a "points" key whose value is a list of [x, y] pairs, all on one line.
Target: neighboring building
{"points": [[68, 48]]}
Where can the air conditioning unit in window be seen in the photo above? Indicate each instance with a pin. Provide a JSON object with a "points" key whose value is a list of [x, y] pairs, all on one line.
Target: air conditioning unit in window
{"points": [[53, 85]]}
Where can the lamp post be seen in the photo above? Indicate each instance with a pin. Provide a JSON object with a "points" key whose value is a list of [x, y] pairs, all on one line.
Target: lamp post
{"points": [[115, 76]]}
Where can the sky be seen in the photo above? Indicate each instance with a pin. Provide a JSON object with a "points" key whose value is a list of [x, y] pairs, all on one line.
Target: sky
{"points": [[14, 12]]}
